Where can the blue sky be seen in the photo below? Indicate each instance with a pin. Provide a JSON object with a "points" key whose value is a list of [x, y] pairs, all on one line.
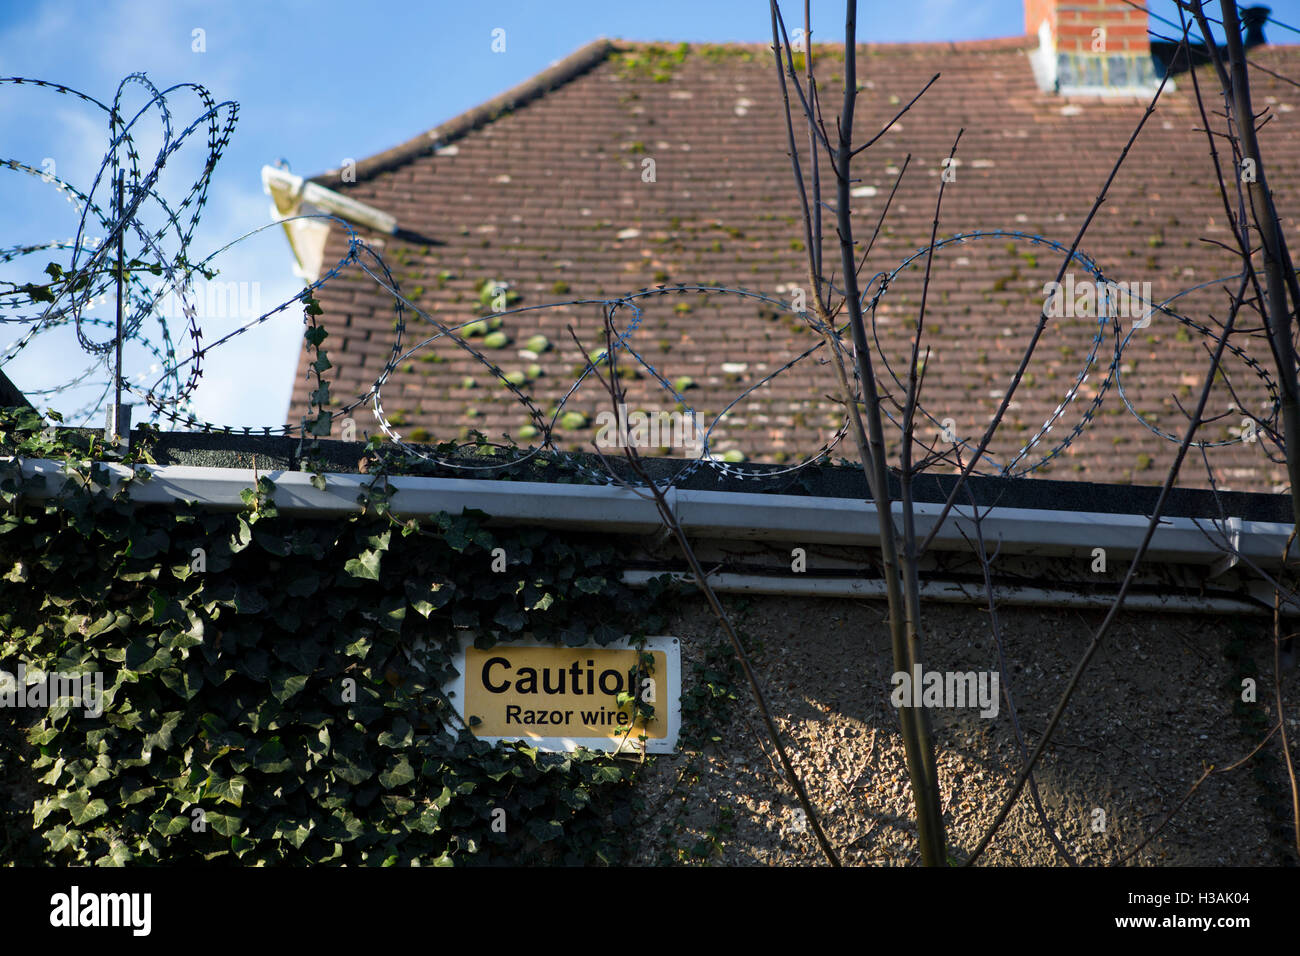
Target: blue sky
{"points": [[316, 83]]}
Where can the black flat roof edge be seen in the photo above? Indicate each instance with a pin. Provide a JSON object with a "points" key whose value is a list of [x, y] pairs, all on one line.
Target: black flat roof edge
{"points": [[279, 453]]}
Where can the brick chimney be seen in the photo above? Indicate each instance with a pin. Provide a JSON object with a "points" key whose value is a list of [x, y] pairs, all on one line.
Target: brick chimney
{"points": [[1074, 24], [1091, 47]]}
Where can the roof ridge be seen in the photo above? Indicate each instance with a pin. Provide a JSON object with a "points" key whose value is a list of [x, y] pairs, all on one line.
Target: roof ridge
{"points": [[965, 46], [557, 74], [582, 60]]}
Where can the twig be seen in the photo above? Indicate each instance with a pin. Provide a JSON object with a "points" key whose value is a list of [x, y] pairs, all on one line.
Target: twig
{"points": [[611, 382], [1113, 612]]}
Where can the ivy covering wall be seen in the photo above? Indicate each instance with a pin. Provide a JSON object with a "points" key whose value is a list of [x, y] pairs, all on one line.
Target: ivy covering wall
{"points": [[271, 684]]}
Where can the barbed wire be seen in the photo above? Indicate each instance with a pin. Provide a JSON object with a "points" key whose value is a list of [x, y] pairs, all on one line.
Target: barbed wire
{"points": [[176, 368]]}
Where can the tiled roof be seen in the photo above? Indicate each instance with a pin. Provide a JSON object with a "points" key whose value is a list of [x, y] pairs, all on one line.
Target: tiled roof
{"points": [[543, 188]]}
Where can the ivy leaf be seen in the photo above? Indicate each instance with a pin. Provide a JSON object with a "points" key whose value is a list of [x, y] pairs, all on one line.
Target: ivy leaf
{"points": [[248, 600], [398, 774], [304, 585], [380, 541], [81, 808], [161, 739], [400, 736], [256, 664], [241, 845], [104, 623], [355, 772], [179, 640], [52, 777], [545, 830], [169, 825], [147, 545], [392, 611], [158, 600], [43, 808], [274, 543], [145, 657], [302, 653], [456, 538], [427, 599], [575, 635], [225, 824], [366, 566], [244, 534], [428, 820], [272, 757], [286, 685], [510, 619], [398, 806], [118, 855], [131, 794], [320, 425], [306, 542], [61, 838], [181, 682], [227, 791], [342, 826], [295, 833]]}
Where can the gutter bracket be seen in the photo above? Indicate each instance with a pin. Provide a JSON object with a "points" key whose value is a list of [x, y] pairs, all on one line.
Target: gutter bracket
{"points": [[1233, 557], [1263, 592], [674, 505]]}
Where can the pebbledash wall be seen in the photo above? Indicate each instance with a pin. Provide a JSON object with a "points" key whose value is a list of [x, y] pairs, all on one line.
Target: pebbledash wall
{"points": [[1184, 682]]}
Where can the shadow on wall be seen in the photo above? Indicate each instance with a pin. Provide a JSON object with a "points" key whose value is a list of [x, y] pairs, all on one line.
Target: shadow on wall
{"points": [[1152, 711]]}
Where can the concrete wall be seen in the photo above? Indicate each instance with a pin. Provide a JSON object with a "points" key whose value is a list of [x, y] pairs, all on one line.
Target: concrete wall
{"points": [[1151, 713]]}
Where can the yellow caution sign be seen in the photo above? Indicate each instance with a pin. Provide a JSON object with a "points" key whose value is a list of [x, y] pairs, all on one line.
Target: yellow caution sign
{"points": [[612, 698]]}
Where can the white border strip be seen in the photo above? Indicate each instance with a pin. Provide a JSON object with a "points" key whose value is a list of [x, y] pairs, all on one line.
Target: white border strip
{"points": [[671, 648], [733, 515]]}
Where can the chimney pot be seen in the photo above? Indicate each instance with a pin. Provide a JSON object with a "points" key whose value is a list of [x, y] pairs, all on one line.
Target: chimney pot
{"points": [[1252, 18]]}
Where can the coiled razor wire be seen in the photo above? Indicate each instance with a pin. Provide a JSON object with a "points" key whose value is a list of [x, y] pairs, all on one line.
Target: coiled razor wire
{"points": [[884, 280], [91, 275], [83, 283]]}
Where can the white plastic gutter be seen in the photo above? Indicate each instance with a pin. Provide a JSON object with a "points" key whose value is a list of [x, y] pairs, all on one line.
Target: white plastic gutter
{"points": [[307, 236], [952, 593], [291, 190], [734, 515]]}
